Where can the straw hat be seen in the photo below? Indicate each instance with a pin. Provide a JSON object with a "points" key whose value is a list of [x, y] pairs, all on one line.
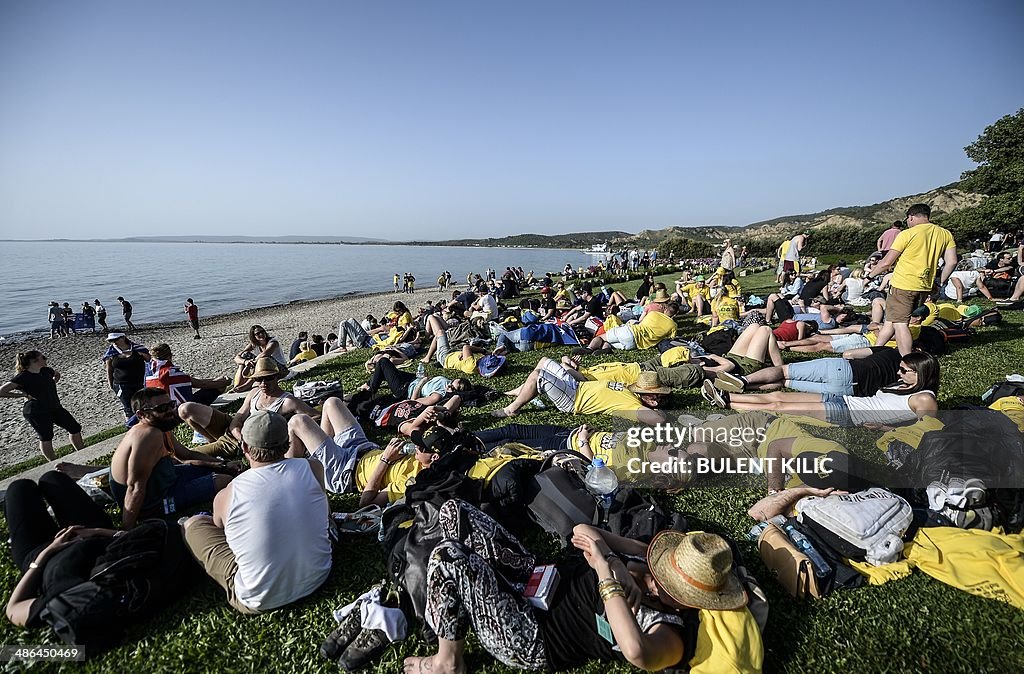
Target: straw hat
{"points": [[648, 382], [661, 296], [268, 367], [695, 569]]}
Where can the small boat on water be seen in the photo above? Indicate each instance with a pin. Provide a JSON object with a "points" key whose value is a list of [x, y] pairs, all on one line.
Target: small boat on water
{"points": [[597, 249]]}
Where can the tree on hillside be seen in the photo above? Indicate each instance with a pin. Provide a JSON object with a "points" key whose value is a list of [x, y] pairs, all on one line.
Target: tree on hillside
{"points": [[679, 247], [999, 153]]}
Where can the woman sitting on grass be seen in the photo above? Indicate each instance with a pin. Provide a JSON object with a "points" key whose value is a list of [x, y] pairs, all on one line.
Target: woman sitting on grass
{"points": [[912, 397], [676, 602], [260, 344]]}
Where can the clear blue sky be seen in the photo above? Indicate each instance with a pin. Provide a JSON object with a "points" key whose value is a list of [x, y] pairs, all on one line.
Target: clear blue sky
{"points": [[446, 119]]}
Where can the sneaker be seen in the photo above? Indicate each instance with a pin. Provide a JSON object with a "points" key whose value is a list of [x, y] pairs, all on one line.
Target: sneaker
{"points": [[1005, 300], [368, 646], [714, 397], [338, 640], [726, 381]]}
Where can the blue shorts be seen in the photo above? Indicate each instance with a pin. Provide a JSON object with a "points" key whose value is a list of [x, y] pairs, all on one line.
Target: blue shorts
{"points": [[837, 412], [821, 375], [194, 485], [842, 343]]}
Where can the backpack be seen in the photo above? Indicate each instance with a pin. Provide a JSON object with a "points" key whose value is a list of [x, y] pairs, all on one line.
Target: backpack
{"points": [[314, 393], [1000, 390], [719, 341], [125, 582], [863, 526]]}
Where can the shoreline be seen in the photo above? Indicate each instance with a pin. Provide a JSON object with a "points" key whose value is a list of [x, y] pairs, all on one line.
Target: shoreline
{"points": [[83, 389]]}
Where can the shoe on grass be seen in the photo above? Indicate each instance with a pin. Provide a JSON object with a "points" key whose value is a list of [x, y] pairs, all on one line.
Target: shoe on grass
{"points": [[726, 381], [367, 647], [714, 397]]}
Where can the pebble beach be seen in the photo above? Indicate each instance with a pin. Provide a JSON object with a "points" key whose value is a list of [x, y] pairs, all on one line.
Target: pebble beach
{"points": [[83, 389]]}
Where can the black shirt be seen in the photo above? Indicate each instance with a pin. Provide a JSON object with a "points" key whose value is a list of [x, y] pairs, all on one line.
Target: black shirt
{"points": [[812, 289], [40, 385], [129, 368], [295, 348], [594, 307], [879, 369], [126, 307]]}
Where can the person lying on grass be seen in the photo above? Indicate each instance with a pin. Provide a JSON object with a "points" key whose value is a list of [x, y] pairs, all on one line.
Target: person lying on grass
{"points": [[656, 323], [645, 599], [406, 385], [224, 431], [840, 340], [464, 360], [572, 393], [267, 543], [144, 478], [911, 398]]}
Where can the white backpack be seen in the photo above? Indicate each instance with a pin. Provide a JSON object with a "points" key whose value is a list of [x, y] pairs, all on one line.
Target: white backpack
{"points": [[865, 526]]}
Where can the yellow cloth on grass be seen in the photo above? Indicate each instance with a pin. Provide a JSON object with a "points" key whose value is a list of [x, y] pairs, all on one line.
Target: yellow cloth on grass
{"points": [[675, 355], [1012, 407], [728, 642], [455, 361], [911, 435], [985, 563], [612, 321]]}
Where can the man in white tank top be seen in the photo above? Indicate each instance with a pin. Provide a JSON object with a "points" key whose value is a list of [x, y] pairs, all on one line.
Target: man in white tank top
{"points": [[267, 542]]}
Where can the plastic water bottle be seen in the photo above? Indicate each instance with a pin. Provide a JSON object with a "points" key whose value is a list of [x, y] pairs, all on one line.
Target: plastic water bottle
{"points": [[601, 481], [756, 531], [821, 567], [420, 371]]}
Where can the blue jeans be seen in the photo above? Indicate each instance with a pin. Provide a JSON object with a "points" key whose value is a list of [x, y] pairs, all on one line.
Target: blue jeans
{"points": [[512, 341], [822, 375]]}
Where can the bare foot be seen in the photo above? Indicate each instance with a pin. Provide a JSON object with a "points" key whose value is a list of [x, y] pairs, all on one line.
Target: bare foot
{"points": [[433, 665], [76, 471], [502, 413]]}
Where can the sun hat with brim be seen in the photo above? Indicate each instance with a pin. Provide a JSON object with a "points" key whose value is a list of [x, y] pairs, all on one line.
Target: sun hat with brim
{"points": [[648, 382], [695, 569], [111, 336], [661, 296], [268, 367]]}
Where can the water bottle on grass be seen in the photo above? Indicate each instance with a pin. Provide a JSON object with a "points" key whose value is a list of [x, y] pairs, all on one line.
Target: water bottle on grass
{"points": [[601, 482]]}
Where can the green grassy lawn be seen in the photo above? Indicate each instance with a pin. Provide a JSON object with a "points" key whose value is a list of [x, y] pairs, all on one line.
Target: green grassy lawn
{"points": [[915, 624]]}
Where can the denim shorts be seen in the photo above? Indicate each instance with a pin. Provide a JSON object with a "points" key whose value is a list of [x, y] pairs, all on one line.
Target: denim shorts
{"points": [[842, 343], [194, 485], [443, 349], [821, 375], [837, 412]]}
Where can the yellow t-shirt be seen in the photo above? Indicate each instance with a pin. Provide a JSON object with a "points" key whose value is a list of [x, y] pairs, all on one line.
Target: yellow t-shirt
{"points": [[675, 355], [654, 327], [303, 356], [623, 373], [406, 318], [727, 308], [605, 397], [486, 467], [921, 246], [803, 444], [945, 311], [692, 290], [1012, 407], [612, 447], [727, 641], [455, 361], [910, 435], [397, 477]]}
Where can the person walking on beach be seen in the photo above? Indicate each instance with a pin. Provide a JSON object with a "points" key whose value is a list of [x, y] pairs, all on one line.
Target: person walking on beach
{"points": [[192, 311], [126, 310], [101, 315], [412, 284], [37, 384], [69, 319], [125, 362], [396, 281], [56, 318]]}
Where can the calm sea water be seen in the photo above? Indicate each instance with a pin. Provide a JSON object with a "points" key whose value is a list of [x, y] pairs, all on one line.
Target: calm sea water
{"points": [[226, 277]]}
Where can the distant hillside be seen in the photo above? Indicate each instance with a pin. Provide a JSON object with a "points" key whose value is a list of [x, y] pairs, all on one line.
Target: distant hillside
{"points": [[576, 240]]}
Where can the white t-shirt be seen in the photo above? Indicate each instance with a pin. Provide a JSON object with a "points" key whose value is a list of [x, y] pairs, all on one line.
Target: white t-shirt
{"points": [[854, 289], [277, 526], [967, 279]]}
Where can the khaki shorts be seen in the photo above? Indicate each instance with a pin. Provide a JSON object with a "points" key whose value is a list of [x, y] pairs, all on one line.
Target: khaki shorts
{"points": [[224, 444], [209, 545], [900, 303]]}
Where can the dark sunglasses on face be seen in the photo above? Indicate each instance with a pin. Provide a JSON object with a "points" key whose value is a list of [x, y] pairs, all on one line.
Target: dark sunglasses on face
{"points": [[160, 409], [906, 370]]}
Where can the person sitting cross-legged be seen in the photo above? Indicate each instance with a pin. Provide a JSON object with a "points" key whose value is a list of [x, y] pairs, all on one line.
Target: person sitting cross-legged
{"points": [[267, 543]]}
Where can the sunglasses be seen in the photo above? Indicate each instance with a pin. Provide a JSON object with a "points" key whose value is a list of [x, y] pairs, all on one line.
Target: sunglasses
{"points": [[160, 409], [906, 370]]}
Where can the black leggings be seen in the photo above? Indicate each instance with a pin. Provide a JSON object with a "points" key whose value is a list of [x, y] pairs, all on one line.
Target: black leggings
{"points": [[398, 381], [32, 528], [542, 437]]}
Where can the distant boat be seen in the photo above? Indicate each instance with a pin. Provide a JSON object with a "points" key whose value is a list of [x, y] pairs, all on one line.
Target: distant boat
{"points": [[597, 249]]}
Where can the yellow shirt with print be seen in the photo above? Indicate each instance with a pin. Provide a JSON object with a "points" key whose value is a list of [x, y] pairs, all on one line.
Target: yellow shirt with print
{"points": [[455, 361], [1012, 407], [606, 397], [395, 480], [727, 308], [654, 327], [623, 373], [921, 246], [612, 447]]}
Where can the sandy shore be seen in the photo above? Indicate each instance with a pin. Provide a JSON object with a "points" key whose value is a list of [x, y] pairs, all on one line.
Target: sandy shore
{"points": [[83, 389]]}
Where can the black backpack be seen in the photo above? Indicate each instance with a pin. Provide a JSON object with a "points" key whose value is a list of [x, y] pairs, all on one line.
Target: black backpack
{"points": [[128, 580], [1001, 389], [719, 341]]}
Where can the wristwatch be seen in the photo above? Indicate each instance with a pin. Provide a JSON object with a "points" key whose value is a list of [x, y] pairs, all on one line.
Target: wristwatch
{"points": [[386, 461]]}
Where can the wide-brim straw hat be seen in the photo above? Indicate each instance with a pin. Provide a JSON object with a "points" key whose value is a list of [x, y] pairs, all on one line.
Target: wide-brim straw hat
{"points": [[661, 296], [695, 569], [268, 367], [648, 382]]}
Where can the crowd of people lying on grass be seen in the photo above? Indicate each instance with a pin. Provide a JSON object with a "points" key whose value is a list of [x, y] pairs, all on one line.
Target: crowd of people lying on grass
{"points": [[643, 588]]}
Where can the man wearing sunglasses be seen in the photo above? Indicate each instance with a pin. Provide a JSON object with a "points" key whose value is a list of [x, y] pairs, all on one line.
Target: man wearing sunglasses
{"points": [[154, 475]]}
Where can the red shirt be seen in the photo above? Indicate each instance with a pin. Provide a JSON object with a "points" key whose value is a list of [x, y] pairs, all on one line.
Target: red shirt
{"points": [[193, 312], [787, 332]]}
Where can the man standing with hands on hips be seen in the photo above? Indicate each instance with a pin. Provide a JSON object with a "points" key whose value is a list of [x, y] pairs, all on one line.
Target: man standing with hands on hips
{"points": [[916, 252]]}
